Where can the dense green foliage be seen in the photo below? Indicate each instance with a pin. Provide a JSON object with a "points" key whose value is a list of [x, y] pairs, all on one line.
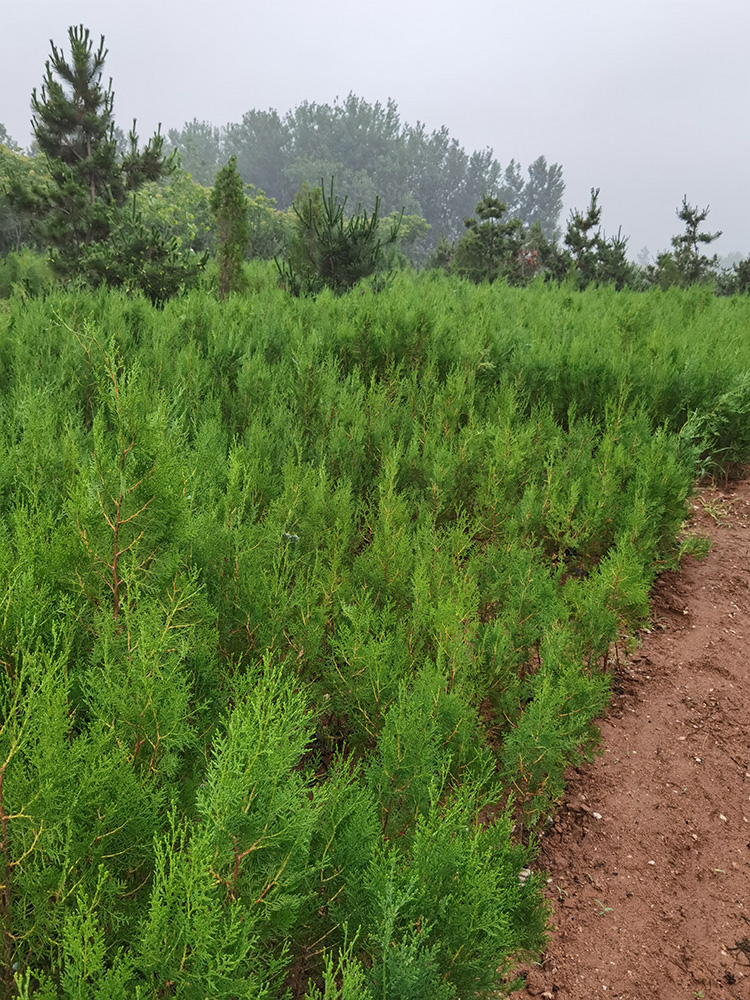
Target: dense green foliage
{"points": [[139, 258], [298, 593], [179, 207], [15, 222]]}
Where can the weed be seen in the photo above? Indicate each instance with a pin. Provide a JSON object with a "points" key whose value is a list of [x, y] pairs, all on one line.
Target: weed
{"points": [[716, 509]]}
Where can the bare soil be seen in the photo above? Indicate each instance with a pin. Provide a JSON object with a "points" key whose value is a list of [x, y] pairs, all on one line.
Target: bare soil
{"points": [[649, 858]]}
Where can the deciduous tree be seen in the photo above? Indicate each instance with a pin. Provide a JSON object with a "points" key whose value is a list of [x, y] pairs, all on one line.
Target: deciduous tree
{"points": [[200, 146]]}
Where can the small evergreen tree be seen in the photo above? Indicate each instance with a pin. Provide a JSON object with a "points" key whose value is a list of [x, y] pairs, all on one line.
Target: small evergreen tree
{"points": [[581, 238], [74, 128], [229, 205], [741, 275], [592, 257], [329, 250], [442, 256], [140, 257], [490, 247], [691, 266]]}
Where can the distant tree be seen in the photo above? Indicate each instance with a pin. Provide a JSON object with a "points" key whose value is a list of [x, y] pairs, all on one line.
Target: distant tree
{"points": [[359, 143], [741, 275], [510, 187], [327, 249], [728, 260], [229, 205], [5, 138], [359, 186], [446, 182], [200, 148], [537, 199], [734, 279], [371, 152], [490, 248], [262, 144]]}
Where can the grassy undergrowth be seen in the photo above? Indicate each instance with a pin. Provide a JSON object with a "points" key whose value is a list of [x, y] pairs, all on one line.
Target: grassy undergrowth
{"points": [[295, 594]]}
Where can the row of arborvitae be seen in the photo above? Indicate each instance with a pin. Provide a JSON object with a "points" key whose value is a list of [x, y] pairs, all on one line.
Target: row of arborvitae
{"points": [[280, 634]]}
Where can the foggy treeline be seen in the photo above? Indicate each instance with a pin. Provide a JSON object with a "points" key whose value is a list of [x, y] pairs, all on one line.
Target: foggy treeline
{"points": [[371, 152], [458, 210]]}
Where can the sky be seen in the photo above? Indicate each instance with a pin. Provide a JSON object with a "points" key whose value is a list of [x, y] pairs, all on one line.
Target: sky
{"points": [[647, 100]]}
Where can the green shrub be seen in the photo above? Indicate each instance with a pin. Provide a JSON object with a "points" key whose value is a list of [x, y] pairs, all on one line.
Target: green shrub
{"points": [[298, 594], [25, 273]]}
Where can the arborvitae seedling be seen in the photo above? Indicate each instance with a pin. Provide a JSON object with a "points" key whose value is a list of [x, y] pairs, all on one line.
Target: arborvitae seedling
{"points": [[391, 502]]}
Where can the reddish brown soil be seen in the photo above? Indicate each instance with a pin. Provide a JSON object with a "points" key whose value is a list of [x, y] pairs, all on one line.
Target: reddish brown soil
{"points": [[649, 858]]}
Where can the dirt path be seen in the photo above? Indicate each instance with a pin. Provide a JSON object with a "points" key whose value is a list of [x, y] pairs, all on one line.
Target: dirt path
{"points": [[649, 861]]}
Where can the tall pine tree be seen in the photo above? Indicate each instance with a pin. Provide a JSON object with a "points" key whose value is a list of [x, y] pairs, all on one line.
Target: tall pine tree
{"points": [[90, 180]]}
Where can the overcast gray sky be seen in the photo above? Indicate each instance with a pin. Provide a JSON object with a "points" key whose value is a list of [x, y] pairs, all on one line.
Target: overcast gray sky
{"points": [[646, 99]]}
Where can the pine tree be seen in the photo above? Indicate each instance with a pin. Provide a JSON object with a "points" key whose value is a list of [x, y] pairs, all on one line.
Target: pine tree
{"points": [[490, 247], [229, 205], [594, 258], [692, 264], [329, 250], [90, 180], [582, 239]]}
